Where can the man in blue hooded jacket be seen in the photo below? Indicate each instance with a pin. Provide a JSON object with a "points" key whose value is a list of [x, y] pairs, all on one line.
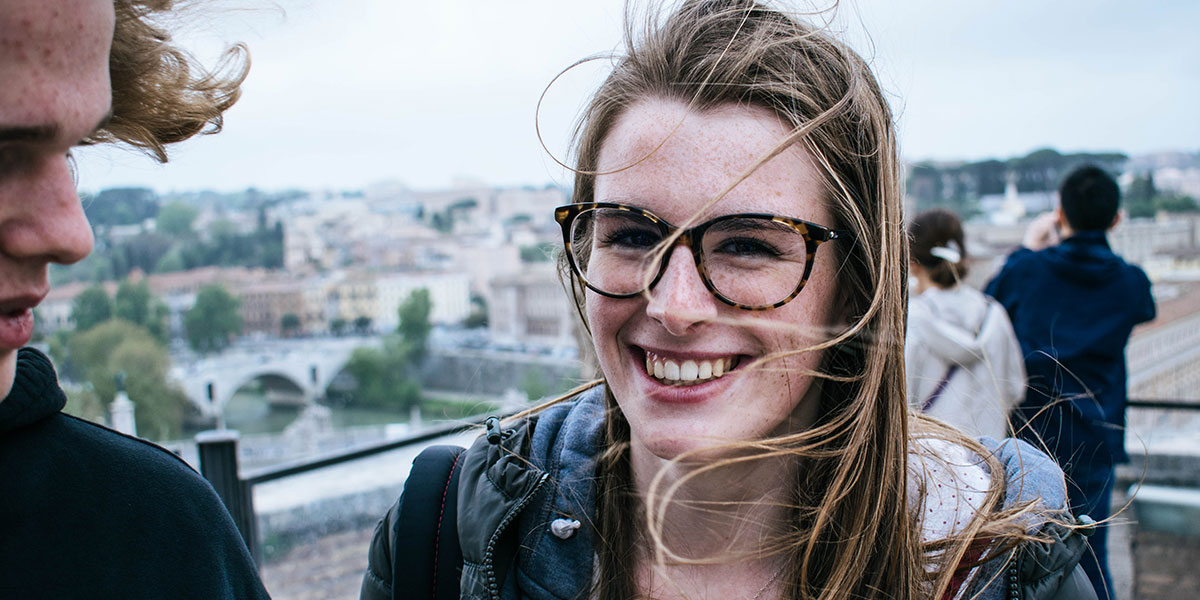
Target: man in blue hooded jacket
{"points": [[1073, 305]]}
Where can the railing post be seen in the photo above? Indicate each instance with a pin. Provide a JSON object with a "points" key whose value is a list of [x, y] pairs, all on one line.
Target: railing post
{"points": [[219, 465]]}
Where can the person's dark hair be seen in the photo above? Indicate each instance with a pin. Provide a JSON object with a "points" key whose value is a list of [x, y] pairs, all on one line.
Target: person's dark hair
{"points": [[935, 237], [1089, 197]]}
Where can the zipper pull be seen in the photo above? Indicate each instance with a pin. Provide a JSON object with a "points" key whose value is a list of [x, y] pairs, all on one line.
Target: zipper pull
{"points": [[494, 435]]}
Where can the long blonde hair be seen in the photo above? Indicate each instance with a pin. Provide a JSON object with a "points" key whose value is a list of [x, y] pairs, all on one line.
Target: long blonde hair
{"points": [[854, 534]]}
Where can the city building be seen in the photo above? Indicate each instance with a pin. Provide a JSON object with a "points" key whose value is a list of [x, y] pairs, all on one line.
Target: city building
{"points": [[264, 304], [531, 307], [449, 297]]}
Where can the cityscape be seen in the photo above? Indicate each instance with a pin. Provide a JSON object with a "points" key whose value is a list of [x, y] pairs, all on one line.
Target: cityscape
{"points": [[313, 322], [331, 300]]}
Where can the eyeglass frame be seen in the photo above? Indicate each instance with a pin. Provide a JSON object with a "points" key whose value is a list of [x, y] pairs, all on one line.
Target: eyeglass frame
{"points": [[814, 235]]}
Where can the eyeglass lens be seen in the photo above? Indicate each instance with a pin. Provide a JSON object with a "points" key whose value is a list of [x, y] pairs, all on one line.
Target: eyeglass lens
{"points": [[748, 260]]}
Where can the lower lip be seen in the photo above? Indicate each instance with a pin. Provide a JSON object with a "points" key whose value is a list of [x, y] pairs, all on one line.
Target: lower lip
{"points": [[678, 394], [16, 329]]}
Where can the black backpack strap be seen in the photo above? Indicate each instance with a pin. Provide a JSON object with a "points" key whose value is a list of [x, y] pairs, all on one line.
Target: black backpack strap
{"points": [[424, 536]]}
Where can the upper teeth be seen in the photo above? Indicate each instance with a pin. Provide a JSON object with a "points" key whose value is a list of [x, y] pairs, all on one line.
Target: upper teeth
{"points": [[686, 370]]}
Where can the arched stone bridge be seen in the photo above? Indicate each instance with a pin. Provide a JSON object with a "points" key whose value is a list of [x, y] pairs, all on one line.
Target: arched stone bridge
{"points": [[308, 365]]}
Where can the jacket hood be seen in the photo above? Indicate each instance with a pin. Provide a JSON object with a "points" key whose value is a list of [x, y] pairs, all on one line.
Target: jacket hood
{"points": [[1085, 259], [955, 328], [948, 483]]}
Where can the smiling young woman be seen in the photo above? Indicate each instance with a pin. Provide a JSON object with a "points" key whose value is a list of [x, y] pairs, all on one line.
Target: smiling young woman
{"points": [[734, 246]]}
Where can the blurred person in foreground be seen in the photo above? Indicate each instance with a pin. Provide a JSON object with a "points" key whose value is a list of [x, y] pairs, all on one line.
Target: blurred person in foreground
{"points": [[86, 512], [962, 361], [1073, 304]]}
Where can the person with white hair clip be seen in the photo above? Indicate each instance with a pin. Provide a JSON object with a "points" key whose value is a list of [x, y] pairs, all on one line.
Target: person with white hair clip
{"points": [[962, 360]]}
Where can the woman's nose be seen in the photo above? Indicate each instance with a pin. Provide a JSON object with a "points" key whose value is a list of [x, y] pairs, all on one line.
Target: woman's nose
{"points": [[680, 301], [41, 218]]}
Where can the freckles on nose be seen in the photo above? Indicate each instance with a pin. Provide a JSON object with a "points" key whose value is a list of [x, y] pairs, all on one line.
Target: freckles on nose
{"points": [[681, 281], [680, 300]]}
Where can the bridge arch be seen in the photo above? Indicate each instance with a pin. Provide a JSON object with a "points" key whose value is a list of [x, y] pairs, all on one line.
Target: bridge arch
{"points": [[310, 365]]}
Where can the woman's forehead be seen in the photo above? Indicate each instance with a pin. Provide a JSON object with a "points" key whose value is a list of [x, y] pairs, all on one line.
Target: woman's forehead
{"points": [[662, 156]]}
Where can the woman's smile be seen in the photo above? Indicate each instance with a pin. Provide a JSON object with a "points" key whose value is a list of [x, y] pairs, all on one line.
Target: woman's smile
{"points": [[682, 370]]}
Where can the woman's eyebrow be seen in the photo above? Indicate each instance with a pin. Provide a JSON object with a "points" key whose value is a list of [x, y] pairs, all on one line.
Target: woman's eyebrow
{"points": [[732, 225]]}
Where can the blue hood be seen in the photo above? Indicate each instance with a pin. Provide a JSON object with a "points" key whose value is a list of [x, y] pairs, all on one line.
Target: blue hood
{"points": [[1085, 259]]}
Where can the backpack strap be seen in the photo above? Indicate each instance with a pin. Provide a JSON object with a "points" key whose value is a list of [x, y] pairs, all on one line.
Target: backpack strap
{"points": [[424, 537], [937, 391]]}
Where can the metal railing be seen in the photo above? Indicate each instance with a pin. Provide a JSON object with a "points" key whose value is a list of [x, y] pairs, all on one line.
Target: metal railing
{"points": [[1164, 404], [219, 463]]}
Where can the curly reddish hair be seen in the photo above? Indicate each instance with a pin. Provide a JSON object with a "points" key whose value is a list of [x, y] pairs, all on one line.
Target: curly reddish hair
{"points": [[160, 93]]}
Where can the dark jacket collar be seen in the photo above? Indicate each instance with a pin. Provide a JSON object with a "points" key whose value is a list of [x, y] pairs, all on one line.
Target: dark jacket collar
{"points": [[1088, 238], [35, 393]]}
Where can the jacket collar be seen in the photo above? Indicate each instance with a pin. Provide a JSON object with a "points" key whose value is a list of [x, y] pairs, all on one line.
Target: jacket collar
{"points": [[35, 392], [1088, 238]]}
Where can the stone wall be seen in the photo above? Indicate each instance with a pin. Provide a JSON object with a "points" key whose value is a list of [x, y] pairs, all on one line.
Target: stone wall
{"points": [[494, 373], [283, 530]]}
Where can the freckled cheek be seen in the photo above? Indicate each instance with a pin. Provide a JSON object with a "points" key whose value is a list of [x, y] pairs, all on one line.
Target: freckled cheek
{"points": [[606, 316]]}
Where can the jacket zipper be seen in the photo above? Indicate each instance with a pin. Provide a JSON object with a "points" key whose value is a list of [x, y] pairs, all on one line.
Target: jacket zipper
{"points": [[1014, 585], [488, 567]]}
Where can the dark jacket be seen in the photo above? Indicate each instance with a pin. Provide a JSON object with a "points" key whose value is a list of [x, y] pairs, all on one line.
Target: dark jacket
{"points": [[1073, 307], [86, 512], [542, 470]]}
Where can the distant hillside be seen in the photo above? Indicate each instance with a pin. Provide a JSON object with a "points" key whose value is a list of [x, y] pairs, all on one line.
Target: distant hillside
{"points": [[1164, 160], [959, 185]]}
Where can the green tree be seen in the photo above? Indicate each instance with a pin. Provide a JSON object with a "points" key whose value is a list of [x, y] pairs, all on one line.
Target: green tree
{"points": [[362, 324], [1143, 198], [338, 326], [213, 320], [122, 206], [122, 347], [1140, 196], [157, 325], [176, 219], [91, 308], [171, 262], [133, 302], [479, 313], [382, 377], [289, 323], [1175, 202], [143, 251], [414, 325]]}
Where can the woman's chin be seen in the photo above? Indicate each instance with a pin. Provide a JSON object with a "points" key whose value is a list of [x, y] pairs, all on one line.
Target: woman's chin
{"points": [[690, 449]]}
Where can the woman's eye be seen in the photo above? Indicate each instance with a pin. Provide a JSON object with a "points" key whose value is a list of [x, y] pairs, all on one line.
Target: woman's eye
{"points": [[632, 238], [747, 247]]}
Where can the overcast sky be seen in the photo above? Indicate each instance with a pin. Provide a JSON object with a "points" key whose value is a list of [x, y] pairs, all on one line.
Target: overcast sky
{"points": [[344, 93]]}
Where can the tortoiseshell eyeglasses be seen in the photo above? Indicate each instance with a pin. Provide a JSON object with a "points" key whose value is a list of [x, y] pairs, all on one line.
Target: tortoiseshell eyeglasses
{"points": [[753, 261]]}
